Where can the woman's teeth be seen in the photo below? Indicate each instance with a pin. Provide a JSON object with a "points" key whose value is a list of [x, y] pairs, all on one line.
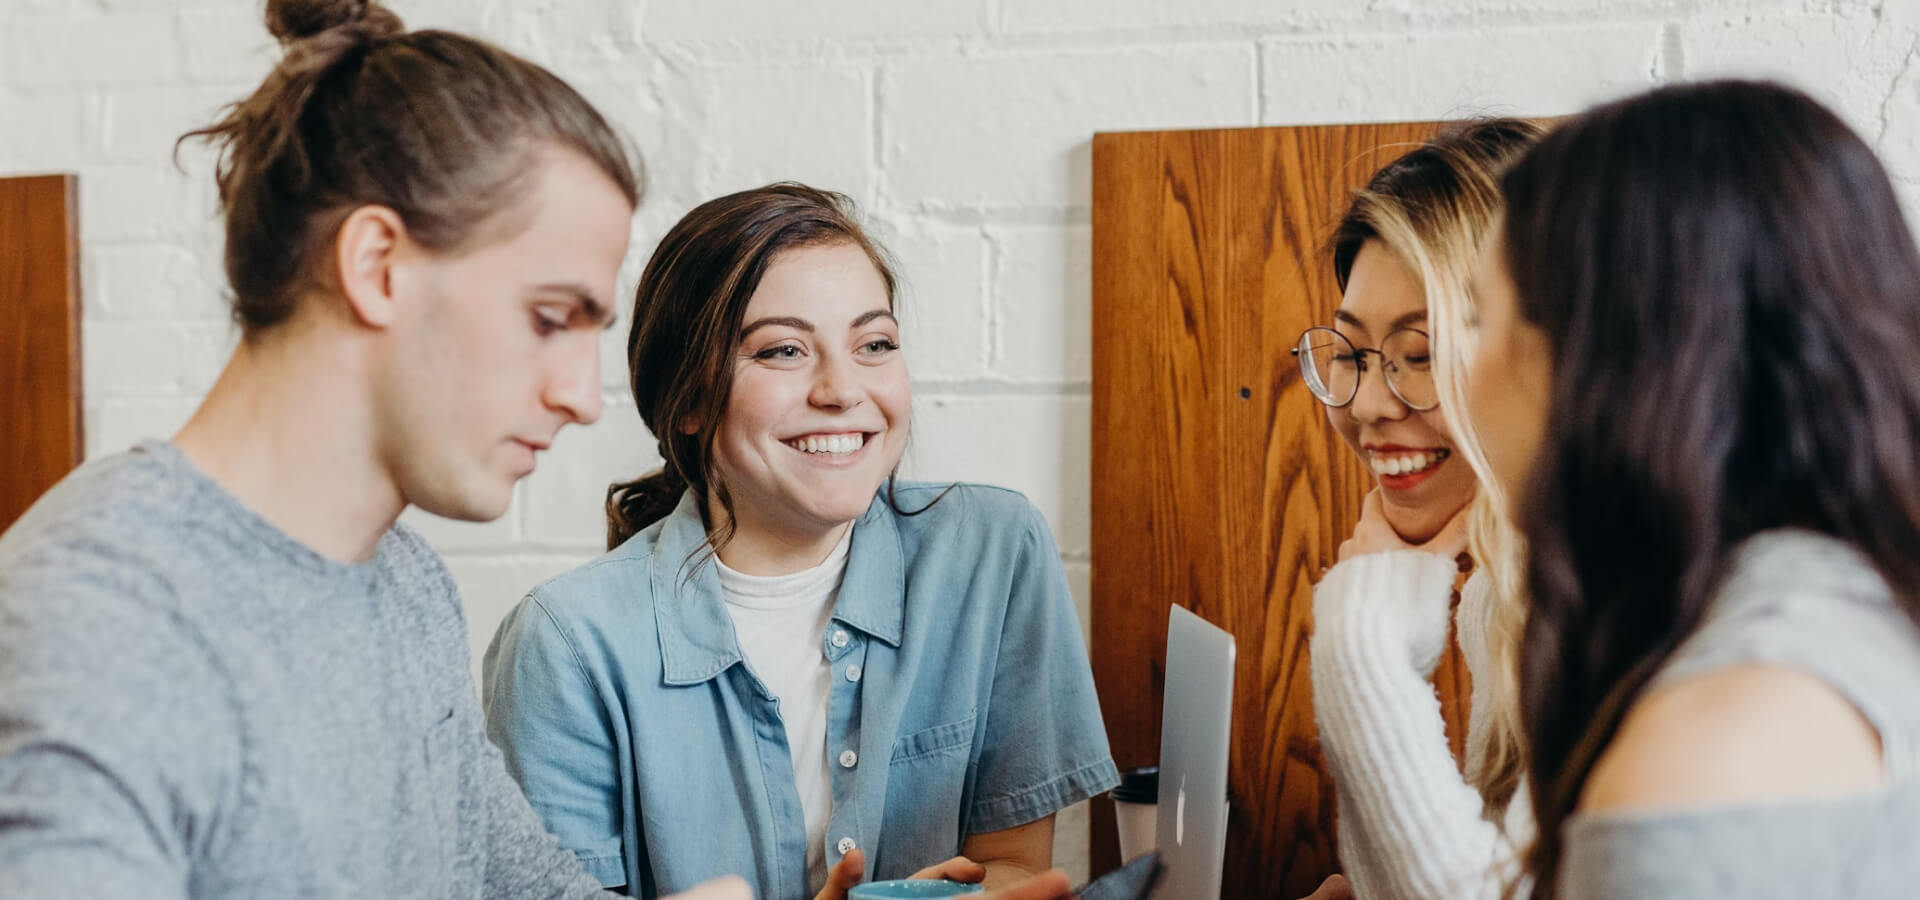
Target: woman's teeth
{"points": [[836, 444], [1405, 463]]}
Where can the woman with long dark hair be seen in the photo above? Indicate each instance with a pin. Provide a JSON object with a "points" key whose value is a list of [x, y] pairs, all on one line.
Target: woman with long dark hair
{"points": [[1700, 322], [789, 666]]}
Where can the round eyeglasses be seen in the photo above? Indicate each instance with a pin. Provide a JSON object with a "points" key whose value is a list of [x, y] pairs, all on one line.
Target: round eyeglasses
{"points": [[1333, 367]]}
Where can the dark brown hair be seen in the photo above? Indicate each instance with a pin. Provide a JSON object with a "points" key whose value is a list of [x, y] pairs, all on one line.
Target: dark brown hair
{"points": [[687, 315], [1731, 298], [438, 127]]}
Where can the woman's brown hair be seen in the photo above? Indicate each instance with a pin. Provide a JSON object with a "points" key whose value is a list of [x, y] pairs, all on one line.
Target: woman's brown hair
{"points": [[438, 127], [1730, 296], [687, 315]]}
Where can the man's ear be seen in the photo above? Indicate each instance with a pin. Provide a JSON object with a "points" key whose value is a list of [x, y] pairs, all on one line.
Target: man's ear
{"points": [[364, 257]]}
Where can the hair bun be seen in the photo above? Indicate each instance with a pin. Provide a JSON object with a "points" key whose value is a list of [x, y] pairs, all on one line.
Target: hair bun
{"points": [[294, 20]]}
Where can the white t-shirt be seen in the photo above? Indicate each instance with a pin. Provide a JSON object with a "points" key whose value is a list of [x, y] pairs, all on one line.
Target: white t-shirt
{"points": [[781, 621]]}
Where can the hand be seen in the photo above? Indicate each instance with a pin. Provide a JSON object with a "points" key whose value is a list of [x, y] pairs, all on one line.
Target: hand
{"points": [[1375, 534], [958, 868], [728, 888], [1048, 885], [852, 866], [846, 873], [1334, 888]]}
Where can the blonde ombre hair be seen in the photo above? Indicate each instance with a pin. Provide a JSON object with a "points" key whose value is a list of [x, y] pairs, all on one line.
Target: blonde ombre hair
{"points": [[1433, 208]]}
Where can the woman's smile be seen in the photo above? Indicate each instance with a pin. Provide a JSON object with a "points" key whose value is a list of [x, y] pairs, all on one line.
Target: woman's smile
{"points": [[833, 449], [1402, 468]]}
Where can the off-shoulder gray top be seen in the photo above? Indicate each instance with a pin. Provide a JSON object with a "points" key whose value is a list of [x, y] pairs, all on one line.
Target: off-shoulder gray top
{"points": [[1814, 604]]}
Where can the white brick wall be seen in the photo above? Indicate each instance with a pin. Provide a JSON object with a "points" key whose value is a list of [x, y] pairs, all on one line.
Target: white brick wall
{"points": [[961, 126]]}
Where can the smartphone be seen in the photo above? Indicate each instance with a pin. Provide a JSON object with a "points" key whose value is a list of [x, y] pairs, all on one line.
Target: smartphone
{"points": [[1133, 881]]}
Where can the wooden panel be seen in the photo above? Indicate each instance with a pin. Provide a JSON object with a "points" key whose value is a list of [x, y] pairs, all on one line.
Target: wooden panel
{"points": [[39, 338], [1217, 482]]}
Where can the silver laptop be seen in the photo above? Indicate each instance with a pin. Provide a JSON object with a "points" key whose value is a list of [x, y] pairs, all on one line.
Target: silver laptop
{"points": [[1196, 727]]}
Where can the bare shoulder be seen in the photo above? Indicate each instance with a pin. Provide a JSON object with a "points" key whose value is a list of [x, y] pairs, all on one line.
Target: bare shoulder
{"points": [[1742, 735]]}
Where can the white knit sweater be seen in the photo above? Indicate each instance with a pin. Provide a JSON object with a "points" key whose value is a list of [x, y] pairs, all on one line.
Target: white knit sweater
{"points": [[1410, 826]]}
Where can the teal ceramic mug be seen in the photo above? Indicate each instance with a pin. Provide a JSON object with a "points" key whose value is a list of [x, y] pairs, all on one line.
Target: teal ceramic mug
{"points": [[912, 890]]}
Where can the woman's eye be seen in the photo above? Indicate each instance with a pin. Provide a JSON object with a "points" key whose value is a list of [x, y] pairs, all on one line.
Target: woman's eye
{"points": [[784, 351], [880, 346], [545, 325]]}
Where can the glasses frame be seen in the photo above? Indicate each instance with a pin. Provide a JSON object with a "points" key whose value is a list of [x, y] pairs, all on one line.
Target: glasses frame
{"points": [[1387, 368]]}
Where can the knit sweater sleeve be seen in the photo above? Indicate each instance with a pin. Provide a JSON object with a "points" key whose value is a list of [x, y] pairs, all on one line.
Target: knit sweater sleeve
{"points": [[1409, 824]]}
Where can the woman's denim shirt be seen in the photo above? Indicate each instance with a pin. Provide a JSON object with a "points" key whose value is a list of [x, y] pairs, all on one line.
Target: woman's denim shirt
{"points": [[961, 687]]}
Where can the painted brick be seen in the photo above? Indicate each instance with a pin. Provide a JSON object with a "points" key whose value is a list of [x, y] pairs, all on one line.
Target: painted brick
{"points": [[1071, 15], [1080, 581], [491, 585], [1848, 62], [115, 424], [228, 45], [737, 127], [1430, 76], [455, 536], [1016, 131], [1043, 303], [47, 133], [143, 202], [205, 349], [558, 32], [141, 124], [153, 280], [1037, 445], [566, 496], [942, 302], [126, 48], [121, 360], [809, 20]]}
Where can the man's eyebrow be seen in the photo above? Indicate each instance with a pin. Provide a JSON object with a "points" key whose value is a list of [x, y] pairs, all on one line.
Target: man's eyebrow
{"points": [[788, 321], [589, 304]]}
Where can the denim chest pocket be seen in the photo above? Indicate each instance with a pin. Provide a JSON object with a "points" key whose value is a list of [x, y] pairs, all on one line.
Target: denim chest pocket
{"points": [[927, 781]]}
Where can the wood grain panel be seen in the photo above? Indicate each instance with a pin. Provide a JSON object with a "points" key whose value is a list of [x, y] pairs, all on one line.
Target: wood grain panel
{"points": [[1217, 482], [39, 338]]}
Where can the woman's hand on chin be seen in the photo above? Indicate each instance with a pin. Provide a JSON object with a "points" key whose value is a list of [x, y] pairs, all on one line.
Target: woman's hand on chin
{"points": [[1375, 534]]}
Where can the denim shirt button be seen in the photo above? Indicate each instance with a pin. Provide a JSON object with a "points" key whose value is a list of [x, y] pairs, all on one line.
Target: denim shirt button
{"points": [[840, 637], [845, 845], [853, 673], [848, 759]]}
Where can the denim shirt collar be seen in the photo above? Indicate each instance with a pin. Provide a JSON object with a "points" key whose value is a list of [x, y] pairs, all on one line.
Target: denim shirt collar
{"points": [[697, 640]]}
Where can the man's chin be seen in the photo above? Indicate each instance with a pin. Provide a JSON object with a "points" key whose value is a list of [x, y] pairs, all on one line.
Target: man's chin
{"points": [[468, 506]]}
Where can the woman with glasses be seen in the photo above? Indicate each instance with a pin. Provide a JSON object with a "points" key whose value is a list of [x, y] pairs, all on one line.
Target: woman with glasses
{"points": [[1410, 824]]}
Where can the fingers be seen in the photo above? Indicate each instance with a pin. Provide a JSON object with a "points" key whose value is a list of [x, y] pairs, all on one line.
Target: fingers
{"points": [[845, 874], [1334, 888], [1452, 539], [958, 868], [1049, 885], [728, 888]]}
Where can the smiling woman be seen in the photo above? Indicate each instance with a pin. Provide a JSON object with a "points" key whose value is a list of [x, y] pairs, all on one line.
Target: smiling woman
{"points": [[1411, 823], [833, 673]]}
